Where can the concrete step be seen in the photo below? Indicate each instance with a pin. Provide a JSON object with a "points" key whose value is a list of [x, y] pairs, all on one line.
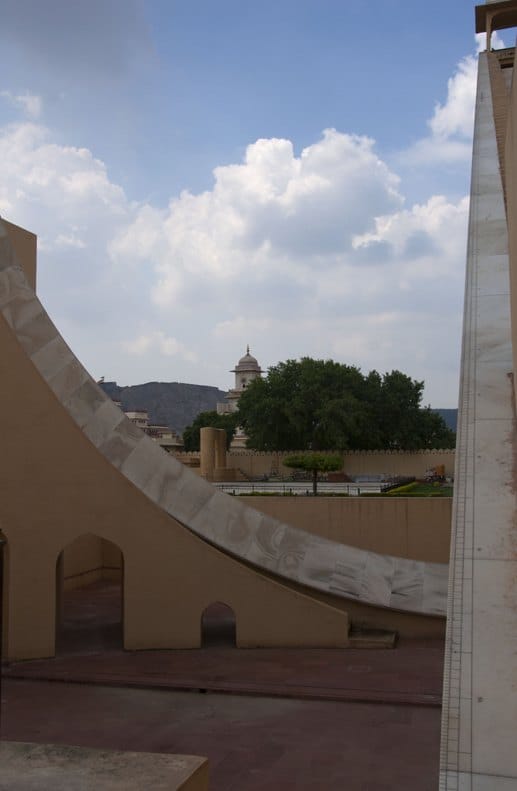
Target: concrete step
{"points": [[372, 638]]}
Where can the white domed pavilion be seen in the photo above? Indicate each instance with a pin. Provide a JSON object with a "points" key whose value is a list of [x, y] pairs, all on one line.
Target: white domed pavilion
{"points": [[246, 370]]}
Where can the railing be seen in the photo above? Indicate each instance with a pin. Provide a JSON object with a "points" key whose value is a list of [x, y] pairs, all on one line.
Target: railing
{"points": [[298, 488]]}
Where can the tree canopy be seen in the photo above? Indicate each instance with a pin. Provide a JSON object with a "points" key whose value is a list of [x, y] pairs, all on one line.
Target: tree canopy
{"points": [[213, 420], [324, 405], [314, 463]]}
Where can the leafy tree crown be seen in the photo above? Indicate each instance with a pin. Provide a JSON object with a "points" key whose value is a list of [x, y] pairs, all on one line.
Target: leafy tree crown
{"points": [[324, 405], [319, 462]]}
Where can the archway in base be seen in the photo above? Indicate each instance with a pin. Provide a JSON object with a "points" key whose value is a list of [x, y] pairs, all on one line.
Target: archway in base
{"points": [[89, 596], [218, 626]]}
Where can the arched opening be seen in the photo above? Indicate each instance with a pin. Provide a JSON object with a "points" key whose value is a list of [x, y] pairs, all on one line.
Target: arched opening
{"points": [[218, 626], [89, 596], [507, 35]]}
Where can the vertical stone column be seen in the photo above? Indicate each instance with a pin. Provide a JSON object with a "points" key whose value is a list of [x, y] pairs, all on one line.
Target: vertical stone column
{"points": [[479, 691], [220, 449], [207, 449]]}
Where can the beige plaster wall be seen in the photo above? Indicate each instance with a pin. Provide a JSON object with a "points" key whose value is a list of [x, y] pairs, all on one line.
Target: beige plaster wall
{"points": [[415, 528], [257, 464], [82, 562], [24, 243], [64, 488], [88, 559]]}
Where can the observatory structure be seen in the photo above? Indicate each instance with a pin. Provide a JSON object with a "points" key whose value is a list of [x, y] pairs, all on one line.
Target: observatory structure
{"points": [[479, 716]]}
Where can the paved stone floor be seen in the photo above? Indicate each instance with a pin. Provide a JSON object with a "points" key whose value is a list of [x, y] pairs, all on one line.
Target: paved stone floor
{"points": [[252, 743], [318, 719], [410, 673]]}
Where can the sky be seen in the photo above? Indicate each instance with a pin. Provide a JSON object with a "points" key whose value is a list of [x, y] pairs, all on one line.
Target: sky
{"points": [[201, 175]]}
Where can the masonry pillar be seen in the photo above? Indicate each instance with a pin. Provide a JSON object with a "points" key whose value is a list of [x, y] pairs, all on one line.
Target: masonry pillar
{"points": [[220, 449], [207, 448]]}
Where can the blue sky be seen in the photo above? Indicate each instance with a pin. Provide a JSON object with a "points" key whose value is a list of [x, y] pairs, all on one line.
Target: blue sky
{"points": [[203, 175]]}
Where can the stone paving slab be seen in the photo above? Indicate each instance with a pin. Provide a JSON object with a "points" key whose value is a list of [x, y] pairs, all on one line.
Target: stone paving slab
{"points": [[41, 767], [252, 743], [411, 673]]}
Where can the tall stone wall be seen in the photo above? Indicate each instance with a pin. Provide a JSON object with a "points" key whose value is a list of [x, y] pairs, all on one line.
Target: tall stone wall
{"points": [[256, 464], [375, 462], [417, 528], [413, 528]]}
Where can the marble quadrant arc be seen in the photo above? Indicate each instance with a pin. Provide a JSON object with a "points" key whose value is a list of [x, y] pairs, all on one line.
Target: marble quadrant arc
{"points": [[245, 534]]}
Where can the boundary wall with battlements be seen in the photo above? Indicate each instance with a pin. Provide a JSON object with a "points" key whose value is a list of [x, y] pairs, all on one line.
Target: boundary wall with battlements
{"points": [[256, 464]]}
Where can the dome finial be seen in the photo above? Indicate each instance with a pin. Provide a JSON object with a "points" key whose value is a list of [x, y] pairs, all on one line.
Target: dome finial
{"points": [[247, 348]]}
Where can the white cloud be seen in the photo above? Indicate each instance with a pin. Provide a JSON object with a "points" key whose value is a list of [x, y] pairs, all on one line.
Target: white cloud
{"points": [[42, 178], [64, 195], [311, 254], [421, 228], [273, 210], [296, 254], [157, 340], [452, 123], [31, 104], [496, 43], [64, 240], [456, 116]]}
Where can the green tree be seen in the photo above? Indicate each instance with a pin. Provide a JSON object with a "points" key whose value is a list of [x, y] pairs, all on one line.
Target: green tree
{"points": [[306, 404], [314, 463], [433, 432], [323, 405], [404, 423], [212, 420]]}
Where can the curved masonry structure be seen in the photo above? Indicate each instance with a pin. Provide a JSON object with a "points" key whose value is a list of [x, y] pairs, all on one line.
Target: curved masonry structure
{"points": [[246, 534], [75, 473]]}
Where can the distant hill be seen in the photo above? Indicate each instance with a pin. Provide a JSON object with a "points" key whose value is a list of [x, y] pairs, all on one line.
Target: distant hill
{"points": [[172, 404], [450, 416]]}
